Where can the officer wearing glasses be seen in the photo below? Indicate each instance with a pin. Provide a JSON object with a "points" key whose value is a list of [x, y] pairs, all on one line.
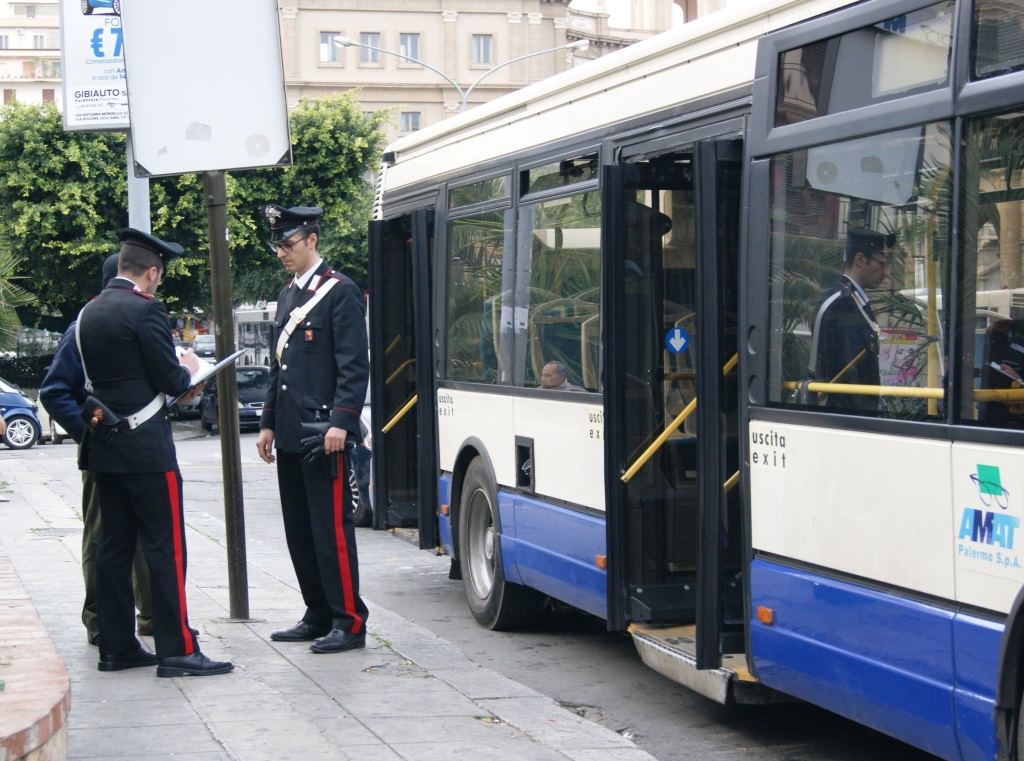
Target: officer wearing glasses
{"points": [[844, 343], [318, 373]]}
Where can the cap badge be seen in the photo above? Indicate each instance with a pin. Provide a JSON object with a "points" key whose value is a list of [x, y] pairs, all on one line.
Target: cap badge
{"points": [[273, 213]]}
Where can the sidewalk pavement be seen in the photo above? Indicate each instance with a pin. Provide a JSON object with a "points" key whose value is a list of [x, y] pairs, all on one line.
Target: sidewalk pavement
{"points": [[409, 695]]}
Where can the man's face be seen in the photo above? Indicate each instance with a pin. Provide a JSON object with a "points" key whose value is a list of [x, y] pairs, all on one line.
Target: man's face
{"points": [[297, 251], [550, 377], [876, 268]]}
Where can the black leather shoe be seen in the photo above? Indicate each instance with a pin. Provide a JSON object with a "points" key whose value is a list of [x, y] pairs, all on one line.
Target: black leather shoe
{"points": [[195, 664], [338, 642], [301, 632], [131, 660]]}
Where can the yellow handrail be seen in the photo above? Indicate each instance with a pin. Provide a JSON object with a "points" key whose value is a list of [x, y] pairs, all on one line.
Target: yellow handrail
{"points": [[400, 368], [906, 392], [672, 428], [400, 414]]}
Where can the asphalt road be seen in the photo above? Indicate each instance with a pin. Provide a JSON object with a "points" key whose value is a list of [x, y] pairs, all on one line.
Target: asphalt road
{"points": [[569, 656]]}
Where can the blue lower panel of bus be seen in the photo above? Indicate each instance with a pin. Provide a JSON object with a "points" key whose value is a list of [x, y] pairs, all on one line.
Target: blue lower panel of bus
{"points": [[545, 547], [552, 549], [923, 674]]}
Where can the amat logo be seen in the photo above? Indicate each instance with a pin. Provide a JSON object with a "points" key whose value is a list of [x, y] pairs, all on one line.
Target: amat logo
{"points": [[985, 527]]}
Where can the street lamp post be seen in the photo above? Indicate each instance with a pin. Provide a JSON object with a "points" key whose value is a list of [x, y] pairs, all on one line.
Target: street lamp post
{"points": [[345, 42]]}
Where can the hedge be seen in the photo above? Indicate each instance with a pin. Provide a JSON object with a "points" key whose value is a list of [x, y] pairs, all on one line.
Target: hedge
{"points": [[26, 372]]}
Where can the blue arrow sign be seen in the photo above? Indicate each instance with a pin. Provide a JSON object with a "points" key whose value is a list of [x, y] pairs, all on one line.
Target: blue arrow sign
{"points": [[677, 340]]}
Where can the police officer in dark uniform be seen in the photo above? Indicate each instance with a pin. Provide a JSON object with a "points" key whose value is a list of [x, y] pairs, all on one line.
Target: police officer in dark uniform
{"points": [[318, 373], [129, 359], [844, 345], [63, 393]]}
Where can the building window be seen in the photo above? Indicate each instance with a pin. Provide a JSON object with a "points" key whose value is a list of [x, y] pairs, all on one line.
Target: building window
{"points": [[482, 49], [5, 41], [409, 45], [373, 40], [8, 96], [410, 121], [47, 95], [38, 41], [329, 52]]}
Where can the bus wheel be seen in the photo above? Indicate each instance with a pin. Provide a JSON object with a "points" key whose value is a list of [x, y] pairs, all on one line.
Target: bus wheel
{"points": [[1018, 735], [494, 602]]}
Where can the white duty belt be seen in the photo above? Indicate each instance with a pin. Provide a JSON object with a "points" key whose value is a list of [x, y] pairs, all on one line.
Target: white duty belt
{"points": [[298, 314], [136, 419]]}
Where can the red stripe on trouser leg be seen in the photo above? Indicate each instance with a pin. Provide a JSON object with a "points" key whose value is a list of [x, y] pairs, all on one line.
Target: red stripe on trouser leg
{"points": [[174, 497], [340, 485]]}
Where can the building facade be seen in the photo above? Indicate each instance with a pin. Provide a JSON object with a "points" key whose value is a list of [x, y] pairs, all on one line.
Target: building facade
{"points": [[474, 44], [30, 68]]}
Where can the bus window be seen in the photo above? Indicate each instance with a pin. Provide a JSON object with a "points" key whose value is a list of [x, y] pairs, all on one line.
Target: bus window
{"points": [[992, 301], [858, 244], [477, 289], [998, 44], [562, 241], [900, 56]]}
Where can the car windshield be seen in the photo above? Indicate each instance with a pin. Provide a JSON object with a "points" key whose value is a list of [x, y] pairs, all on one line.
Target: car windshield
{"points": [[204, 341], [8, 388], [252, 377]]}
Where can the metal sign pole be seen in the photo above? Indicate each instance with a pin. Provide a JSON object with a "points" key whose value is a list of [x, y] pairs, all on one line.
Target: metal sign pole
{"points": [[215, 188]]}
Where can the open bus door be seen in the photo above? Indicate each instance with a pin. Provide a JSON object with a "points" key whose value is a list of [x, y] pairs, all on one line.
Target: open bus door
{"points": [[671, 411], [402, 398]]}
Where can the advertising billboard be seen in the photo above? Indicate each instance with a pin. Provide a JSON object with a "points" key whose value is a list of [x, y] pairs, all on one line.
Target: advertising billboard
{"points": [[92, 64]]}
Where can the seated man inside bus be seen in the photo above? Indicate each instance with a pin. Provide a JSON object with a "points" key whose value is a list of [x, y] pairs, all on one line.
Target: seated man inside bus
{"points": [[554, 377], [844, 344]]}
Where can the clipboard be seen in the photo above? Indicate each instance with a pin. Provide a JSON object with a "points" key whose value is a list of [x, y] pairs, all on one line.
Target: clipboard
{"points": [[205, 371]]}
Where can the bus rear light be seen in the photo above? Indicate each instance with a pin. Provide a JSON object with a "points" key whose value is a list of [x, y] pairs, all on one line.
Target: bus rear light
{"points": [[765, 615], [601, 561], [444, 509]]}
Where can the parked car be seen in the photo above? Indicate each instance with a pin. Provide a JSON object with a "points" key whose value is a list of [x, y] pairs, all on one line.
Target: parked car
{"points": [[183, 410], [205, 346], [252, 388], [88, 6], [361, 477], [51, 430], [21, 415]]}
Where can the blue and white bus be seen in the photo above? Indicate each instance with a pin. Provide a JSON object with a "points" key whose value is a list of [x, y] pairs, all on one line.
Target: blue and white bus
{"points": [[660, 226]]}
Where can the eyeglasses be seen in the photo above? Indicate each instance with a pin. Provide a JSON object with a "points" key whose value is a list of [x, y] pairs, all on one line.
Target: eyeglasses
{"points": [[286, 245], [880, 259]]}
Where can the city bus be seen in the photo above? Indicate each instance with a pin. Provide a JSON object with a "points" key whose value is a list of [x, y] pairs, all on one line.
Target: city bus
{"points": [[593, 317]]}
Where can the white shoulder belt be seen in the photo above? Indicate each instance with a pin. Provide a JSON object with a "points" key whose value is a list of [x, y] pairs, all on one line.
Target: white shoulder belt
{"points": [[299, 314]]}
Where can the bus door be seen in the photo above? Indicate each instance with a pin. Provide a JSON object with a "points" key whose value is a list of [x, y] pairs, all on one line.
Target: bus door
{"points": [[674, 544], [402, 398]]}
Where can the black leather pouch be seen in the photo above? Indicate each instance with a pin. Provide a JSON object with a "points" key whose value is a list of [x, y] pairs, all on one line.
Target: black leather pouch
{"points": [[100, 420], [313, 447]]}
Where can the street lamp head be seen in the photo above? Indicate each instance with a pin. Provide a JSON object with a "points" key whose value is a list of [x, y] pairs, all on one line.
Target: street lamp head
{"points": [[579, 46], [344, 42]]}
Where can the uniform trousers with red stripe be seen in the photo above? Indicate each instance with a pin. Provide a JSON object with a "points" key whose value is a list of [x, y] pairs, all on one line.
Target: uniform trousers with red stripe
{"points": [[320, 530], [147, 506]]}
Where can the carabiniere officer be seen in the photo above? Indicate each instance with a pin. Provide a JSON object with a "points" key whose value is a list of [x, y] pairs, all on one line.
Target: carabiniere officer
{"points": [[318, 373]]}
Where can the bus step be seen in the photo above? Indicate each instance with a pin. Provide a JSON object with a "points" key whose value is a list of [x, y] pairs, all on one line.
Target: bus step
{"points": [[671, 651], [662, 602]]}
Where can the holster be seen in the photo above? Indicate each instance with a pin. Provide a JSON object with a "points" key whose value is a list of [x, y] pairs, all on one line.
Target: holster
{"points": [[100, 420]]}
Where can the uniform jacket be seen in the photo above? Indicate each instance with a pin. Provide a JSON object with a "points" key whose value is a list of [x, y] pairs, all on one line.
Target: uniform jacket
{"points": [[129, 355], [63, 389], [842, 331], [324, 367]]}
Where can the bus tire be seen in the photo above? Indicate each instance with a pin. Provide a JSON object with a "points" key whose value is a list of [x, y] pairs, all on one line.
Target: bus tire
{"points": [[494, 602]]}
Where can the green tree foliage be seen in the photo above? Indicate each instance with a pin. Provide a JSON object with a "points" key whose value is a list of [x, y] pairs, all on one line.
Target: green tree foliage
{"points": [[64, 197]]}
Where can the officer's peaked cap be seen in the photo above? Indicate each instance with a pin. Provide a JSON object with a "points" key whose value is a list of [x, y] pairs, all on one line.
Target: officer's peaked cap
{"points": [[164, 249], [286, 222], [109, 269], [867, 242]]}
